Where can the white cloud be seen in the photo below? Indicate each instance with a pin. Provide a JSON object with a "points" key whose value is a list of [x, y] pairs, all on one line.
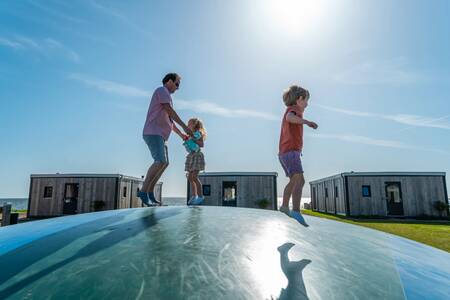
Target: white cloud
{"points": [[199, 106], [215, 109], [27, 42], [72, 55], [9, 43], [420, 121], [358, 139], [110, 86], [363, 140], [393, 71], [41, 46], [113, 13], [56, 13], [406, 119]]}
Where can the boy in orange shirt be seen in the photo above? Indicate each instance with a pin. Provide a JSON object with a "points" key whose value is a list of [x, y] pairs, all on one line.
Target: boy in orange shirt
{"points": [[290, 147]]}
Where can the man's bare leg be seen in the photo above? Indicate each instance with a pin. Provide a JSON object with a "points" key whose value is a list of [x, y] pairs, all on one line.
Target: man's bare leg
{"points": [[157, 177], [153, 175]]}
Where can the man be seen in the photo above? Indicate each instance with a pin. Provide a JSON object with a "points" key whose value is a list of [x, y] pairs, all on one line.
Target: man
{"points": [[157, 129]]}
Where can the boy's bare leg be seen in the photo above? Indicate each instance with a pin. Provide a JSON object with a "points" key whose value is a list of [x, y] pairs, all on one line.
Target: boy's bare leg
{"points": [[289, 189], [297, 192]]}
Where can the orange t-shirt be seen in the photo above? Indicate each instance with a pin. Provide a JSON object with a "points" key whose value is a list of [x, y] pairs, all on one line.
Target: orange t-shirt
{"points": [[291, 137]]}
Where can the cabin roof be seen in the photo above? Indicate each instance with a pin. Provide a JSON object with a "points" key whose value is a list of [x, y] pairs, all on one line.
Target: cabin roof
{"points": [[238, 174], [369, 174], [84, 175]]}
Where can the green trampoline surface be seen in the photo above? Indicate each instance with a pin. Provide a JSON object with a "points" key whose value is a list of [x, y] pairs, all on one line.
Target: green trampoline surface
{"points": [[213, 253]]}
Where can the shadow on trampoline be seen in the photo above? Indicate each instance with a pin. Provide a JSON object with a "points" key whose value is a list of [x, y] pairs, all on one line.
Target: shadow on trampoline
{"points": [[116, 234], [293, 271]]}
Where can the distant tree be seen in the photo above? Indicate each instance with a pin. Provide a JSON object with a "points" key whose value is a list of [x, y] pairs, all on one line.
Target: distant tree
{"points": [[440, 207]]}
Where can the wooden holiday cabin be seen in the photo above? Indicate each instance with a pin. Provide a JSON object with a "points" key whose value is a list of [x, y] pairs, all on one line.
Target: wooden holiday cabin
{"points": [[381, 194], [67, 194]]}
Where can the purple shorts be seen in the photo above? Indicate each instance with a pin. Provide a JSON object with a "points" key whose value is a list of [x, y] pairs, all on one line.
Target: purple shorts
{"points": [[291, 162]]}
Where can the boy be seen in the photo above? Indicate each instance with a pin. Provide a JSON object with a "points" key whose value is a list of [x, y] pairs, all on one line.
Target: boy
{"points": [[290, 147]]}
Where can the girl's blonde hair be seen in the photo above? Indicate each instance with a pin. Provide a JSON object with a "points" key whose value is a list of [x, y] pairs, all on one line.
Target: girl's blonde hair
{"points": [[198, 126], [291, 95]]}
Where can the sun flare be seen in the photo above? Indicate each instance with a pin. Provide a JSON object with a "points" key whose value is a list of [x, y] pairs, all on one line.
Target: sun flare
{"points": [[293, 16]]}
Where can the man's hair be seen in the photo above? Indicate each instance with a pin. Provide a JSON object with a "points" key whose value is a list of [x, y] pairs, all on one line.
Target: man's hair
{"points": [[291, 95], [170, 76]]}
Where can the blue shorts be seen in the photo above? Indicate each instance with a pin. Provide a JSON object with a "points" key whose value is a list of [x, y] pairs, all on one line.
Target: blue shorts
{"points": [[158, 148]]}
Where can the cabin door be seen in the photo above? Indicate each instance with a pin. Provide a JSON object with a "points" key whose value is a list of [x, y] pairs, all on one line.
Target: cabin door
{"points": [[229, 193], [394, 198], [313, 199], [70, 201]]}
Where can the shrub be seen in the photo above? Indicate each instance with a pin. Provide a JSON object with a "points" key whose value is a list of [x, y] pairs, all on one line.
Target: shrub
{"points": [[262, 203], [98, 205], [440, 207]]}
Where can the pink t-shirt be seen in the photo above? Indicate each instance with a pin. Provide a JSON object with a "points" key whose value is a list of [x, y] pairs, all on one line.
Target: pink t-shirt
{"points": [[158, 121]]}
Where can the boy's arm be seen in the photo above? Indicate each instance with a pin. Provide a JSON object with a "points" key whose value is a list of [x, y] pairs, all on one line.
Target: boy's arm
{"points": [[174, 116], [294, 119]]}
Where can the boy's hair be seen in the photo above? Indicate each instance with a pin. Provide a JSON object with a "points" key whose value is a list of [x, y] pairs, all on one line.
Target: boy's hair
{"points": [[170, 76], [198, 126], [291, 95]]}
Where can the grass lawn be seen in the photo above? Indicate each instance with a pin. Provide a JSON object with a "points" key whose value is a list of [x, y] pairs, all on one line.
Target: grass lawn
{"points": [[432, 233]]}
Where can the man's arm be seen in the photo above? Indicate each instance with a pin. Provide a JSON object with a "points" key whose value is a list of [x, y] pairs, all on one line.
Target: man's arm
{"points": [[199, 142], [177, 131], [174, 116], [294, 119]]}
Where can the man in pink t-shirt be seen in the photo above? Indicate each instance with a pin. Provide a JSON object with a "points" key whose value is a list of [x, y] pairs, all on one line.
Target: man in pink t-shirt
{"points": [[157, 129]]}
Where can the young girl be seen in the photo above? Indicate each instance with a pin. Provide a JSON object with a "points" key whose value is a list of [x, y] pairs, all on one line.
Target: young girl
{"points": [[290, 147], [195, 161]]}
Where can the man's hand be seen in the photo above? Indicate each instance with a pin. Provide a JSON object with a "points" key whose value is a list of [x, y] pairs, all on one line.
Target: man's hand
{"points": [[188, 131], [312, 125]]}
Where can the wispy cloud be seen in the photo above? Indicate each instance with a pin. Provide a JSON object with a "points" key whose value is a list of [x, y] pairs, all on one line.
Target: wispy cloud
{"points": [[358, 139], [406, 119], [198, 106], [57, 13], [10, 43], [394, 71], [57, 45], [215, 109], [124, 19], [111, 87], [41, 46]]}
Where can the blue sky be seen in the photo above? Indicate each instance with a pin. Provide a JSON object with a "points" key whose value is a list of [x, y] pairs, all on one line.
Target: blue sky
{"points": [[75, 80]]}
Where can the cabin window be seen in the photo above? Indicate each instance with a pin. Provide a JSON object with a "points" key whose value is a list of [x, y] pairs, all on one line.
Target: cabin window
{"points": [[48, 192], [336, 192], [206, 190], [366, 191], [124, 193], [326, 192]]}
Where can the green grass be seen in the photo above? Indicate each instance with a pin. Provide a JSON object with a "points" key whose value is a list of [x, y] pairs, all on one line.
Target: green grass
{"points": [[19, 210], [432, 233]]}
